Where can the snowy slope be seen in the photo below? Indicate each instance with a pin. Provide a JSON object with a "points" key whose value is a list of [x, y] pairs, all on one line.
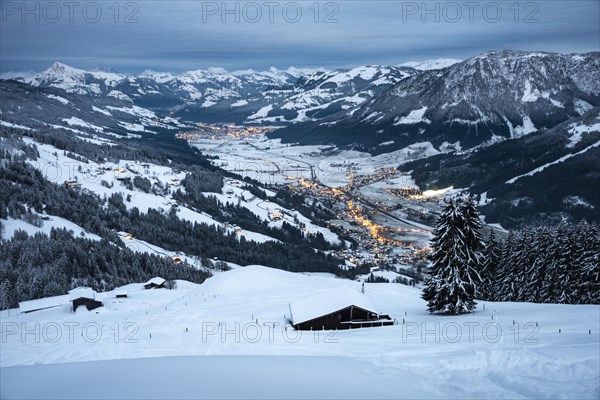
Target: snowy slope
{"points": [[486, 98], [427, 65], [498, 352]]}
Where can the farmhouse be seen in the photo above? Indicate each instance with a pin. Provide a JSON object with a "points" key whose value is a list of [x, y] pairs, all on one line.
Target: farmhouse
{"points": [[84, 296], [341, 308], [155, 283], [42, 304]]}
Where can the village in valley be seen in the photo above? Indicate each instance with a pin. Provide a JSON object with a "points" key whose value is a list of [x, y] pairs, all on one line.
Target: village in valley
{"points": [[378, 206]]}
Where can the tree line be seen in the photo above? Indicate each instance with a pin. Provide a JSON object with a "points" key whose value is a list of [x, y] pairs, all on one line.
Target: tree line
{"points": [[542, 265]]}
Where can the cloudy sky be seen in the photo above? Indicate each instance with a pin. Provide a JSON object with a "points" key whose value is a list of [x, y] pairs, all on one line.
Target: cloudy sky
{"points": [[131, 36]]}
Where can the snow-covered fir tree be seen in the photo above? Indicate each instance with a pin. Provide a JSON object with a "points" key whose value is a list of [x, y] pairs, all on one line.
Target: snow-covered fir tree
{"points": [[456, 260], [6, 295], [551, 284], [536, 270], [489, 268], [589, 260], [503, 266]]}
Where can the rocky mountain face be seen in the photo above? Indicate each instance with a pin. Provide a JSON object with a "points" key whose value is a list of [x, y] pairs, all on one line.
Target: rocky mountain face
{"points": [[547, 177], [47, 108], [216, 95], [312, 97], [484, 99]]}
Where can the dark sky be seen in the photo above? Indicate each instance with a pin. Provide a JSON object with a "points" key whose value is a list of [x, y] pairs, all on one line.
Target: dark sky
{"points": [[183, 35]]}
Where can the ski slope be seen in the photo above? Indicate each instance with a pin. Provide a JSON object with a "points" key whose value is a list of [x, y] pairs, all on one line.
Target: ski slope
{"points": [[228, 338]]}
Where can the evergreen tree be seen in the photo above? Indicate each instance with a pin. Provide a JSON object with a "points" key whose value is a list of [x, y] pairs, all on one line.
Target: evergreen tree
{"points": [[455, 261], [6, 295], [537, 269], [489, 270], [590, 263], [551, 286], [515, 264], [503, 267], [570, 270]]}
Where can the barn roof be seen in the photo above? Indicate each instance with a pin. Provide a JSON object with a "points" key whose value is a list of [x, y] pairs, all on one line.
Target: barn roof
{"points": [[156, 280], [82, 291], [121, 292], [40, 304], [328, 302]]}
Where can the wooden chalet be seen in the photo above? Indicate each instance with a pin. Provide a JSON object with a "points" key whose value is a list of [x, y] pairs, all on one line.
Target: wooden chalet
{"points": [[121, 294], [155, 283], [42, 304], [84, 296], [342, 308]]}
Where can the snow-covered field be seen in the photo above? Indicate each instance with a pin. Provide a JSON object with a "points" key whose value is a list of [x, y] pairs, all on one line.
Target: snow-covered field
{"points": [[270, 161], [229, 338]]}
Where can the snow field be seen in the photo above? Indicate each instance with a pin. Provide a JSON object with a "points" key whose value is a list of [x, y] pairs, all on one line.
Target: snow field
{"points": [[239, 317]]}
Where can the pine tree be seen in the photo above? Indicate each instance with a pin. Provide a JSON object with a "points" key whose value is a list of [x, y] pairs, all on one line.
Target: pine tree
{"points": [[569, 276], [6, 295], [515, 264], [589, 261], [490, 267], [537, 269], [551, 286], [503, 267], [455, 261]]}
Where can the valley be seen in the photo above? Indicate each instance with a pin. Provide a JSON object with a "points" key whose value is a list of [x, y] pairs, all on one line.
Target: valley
{"points": [[389, 228]]}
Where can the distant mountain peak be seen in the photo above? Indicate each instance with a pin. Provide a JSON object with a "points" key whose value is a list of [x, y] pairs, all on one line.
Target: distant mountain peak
{"points": [[427, 65]]}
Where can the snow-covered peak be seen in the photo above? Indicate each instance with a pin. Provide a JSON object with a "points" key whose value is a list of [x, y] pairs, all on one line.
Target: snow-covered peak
{"points": [[160, 77], [298, 72], [427, 65]]}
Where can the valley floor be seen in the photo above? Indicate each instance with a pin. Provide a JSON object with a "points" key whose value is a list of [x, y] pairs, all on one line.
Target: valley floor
{"points": [[227, 338]]}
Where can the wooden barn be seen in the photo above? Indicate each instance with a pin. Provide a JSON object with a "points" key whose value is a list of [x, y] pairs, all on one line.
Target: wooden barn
{"points": [[84, 296], [155, 283], [121, 294], [42, 304], [341, 308]]}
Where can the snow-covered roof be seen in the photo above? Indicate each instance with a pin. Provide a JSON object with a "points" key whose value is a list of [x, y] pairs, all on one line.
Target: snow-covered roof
{"points": [[82, 291], [121, 292], [157, 280], [40, 304], [327, 302]]}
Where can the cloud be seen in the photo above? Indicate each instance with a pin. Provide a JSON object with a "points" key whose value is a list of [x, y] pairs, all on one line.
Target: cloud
{"points": [[181, 35]]}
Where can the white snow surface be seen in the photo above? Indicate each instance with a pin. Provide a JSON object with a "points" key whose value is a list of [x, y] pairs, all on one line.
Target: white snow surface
{"points": [[11, 225], [430, 64], [182, 343], [413, 117], [80, 292]]}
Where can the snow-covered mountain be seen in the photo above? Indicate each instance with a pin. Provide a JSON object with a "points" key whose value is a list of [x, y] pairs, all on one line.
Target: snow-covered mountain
{"points": [[310, 98], [426, 65], [85, 116], [486, 98], [161, 89], [216, 95]]}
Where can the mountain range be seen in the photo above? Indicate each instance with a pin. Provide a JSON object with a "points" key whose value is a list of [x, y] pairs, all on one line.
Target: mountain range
{"points": [[482, 100], [505, 125]]}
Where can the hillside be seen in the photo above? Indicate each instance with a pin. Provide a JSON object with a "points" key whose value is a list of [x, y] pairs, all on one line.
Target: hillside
{"points": [[486, 98], [511, 350]]}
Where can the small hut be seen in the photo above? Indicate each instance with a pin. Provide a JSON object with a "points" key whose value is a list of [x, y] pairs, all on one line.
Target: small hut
{"points": [[121, 294], [341, 308], [42, 304], [84, 296], [155, 283]]}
